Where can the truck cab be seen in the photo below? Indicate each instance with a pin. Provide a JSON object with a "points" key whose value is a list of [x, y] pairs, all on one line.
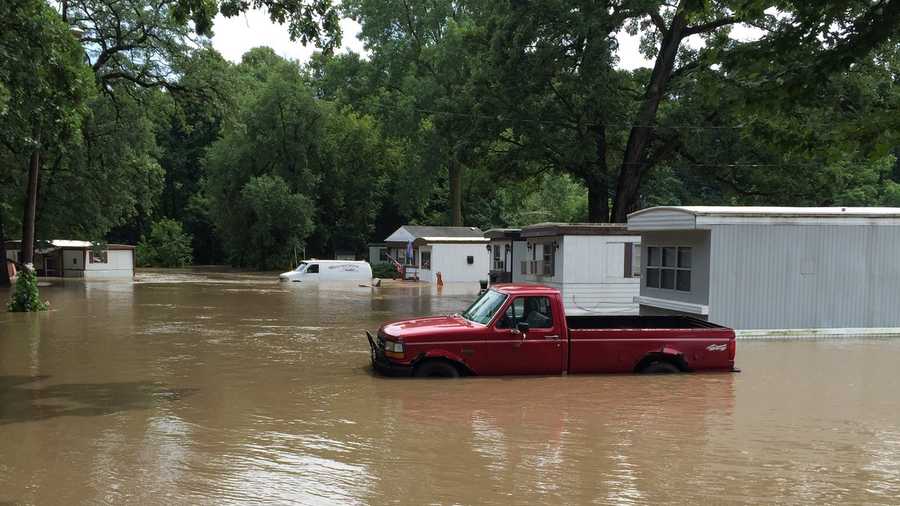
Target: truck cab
{"points": [[522, 329]]}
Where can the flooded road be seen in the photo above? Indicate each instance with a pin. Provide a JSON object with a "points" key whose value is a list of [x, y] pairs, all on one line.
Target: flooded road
{"points": [[234, 389]]}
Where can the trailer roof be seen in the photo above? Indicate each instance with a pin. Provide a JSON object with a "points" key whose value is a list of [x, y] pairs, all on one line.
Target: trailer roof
{"points": [[689, 217], [778, 211], [556, 229], [503, 233]]}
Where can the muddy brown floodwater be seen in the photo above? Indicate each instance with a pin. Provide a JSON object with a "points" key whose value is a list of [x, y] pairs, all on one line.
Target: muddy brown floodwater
{"points": [[186, 388]]}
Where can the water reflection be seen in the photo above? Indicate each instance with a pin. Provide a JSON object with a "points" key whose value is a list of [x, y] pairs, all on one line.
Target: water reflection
{"points": [[234, 389]]}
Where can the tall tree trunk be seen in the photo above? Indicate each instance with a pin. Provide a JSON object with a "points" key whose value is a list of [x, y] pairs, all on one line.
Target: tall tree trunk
{"points": [[598, 199], [4, 268], [455, 170], [597, 180], [633, 163], [31, 191]]}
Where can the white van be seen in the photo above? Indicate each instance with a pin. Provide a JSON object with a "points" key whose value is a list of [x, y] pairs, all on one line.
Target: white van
{"points": [[329, 270]]}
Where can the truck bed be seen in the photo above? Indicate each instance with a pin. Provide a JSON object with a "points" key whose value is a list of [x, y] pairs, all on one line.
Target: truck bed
{"points": [[637, 322], [625, 343]]}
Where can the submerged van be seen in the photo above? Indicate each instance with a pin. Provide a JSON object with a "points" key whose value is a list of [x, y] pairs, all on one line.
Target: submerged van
{"points": [[329, 270]]}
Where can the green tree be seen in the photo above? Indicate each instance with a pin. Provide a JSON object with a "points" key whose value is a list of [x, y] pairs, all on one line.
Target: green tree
{"points": [[423, 62], [166, 246], [277, 223], [46, 86], [551, 80]]}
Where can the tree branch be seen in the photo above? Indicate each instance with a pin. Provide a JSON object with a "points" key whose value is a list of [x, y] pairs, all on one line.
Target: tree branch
{"points": [[712, 25], [660, 23]]}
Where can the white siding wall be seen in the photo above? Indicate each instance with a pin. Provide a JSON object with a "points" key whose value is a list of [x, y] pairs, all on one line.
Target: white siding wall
{"points": [[73, 263], [450, 261], [427, 275], [594, 278], [119, 265]]}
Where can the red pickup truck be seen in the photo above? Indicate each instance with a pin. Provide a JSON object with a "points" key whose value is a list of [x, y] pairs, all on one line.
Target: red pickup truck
{"points": [[522, 329]]}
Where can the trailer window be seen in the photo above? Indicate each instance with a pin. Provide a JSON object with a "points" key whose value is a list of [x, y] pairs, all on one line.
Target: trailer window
{"points": [[669, 268]]}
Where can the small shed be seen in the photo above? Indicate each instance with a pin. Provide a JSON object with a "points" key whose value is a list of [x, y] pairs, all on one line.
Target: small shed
{"points": [[596, 266], [801, 269], [458, 253], [78, 259], [507, 246]]}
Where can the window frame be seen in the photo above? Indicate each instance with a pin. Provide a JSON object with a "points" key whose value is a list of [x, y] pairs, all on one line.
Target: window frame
{"points": [[510, 304], [548, 250], [660, 270], [98, 257]]}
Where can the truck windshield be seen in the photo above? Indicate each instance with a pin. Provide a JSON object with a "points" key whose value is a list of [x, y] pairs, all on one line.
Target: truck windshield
{"points": [[482, 310], [301, 267]]}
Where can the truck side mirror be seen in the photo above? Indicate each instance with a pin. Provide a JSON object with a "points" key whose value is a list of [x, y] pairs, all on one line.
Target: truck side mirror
{"points": [[523, 327]]}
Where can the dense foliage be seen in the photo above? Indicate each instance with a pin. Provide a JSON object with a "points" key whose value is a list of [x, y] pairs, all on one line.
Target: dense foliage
{"points": [[25, 297], [167, 245], [476, 112]]}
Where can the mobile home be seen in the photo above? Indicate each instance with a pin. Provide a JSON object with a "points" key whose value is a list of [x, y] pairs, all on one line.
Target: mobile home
{"points": [[458, 254], [794, 269], [78, 259], [595, 266]]}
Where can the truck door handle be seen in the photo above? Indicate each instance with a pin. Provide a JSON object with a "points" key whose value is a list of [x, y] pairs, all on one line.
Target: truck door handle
{"points": [[554, 337]]}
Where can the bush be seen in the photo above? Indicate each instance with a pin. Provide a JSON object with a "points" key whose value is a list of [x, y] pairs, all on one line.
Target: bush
{"points": [[167, 246], [26, 297], [384, 271]]}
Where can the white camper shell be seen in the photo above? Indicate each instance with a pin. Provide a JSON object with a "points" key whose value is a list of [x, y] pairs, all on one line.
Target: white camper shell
{"points": [[329, 270]]}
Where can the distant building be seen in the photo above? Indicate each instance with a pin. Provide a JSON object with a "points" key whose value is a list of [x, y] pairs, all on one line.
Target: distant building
{"points": [[596, 266], [507, 247], [459, 254], [772, 268], [78, 259], [344, 255], [378, 253]]}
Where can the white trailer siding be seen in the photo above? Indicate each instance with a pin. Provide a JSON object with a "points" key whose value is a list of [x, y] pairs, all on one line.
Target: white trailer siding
{"points": [[595, 281], [451, 260], [73, 263], [119, 264]]}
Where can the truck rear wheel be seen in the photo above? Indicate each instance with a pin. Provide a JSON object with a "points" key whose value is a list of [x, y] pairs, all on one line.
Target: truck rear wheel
{"points": [[660, 368], [436, 369]]}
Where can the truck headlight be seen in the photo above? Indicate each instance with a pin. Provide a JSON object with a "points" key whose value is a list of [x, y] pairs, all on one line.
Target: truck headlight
{"points": [[393, 346]]}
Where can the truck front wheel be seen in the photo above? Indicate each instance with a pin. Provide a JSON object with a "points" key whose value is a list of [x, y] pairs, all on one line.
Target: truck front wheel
{"points": [[660, 368], [436, 369]]}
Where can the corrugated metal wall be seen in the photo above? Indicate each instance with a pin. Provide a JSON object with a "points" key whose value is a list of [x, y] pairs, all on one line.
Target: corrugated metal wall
{"points": [[796, 277]]}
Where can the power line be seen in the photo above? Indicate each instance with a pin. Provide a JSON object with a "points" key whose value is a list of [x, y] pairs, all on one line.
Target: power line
{"points": [[594, 124]]}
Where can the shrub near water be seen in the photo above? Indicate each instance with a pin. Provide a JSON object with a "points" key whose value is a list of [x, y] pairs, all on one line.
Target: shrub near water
{"points": [[26, 297], [384, 271], [167, 246]]}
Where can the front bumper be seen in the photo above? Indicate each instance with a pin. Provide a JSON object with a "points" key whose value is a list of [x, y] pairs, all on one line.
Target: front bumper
{"points": [[384, 365]]}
